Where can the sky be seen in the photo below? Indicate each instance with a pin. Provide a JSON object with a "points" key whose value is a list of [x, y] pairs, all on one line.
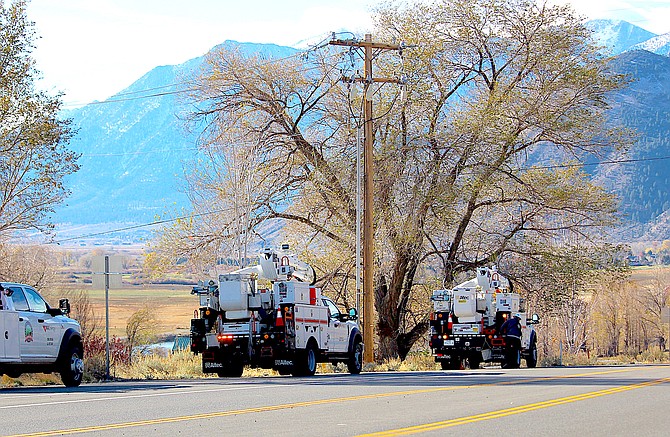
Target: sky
{"points": [[93, 49]]}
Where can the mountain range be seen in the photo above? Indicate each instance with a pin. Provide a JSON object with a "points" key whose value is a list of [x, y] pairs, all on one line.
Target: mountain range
{"points": [[136, 145]]}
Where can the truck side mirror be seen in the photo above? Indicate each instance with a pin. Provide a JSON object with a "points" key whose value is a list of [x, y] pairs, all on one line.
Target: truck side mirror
{"points": [[64, 306], [353, 314]]}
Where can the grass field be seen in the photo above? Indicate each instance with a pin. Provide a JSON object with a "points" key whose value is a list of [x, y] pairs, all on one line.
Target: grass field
{"points": [[649, 275], [173, 306]]}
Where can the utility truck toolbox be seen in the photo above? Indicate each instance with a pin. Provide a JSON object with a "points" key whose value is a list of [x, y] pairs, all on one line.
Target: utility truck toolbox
{"points": [[289, 327], [508, 302], [289, 292]]}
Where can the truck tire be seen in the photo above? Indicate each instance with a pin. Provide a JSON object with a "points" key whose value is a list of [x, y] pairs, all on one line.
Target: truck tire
{"points": [[531, 359], [355, 361], [305, 361], [475, 360], [72, 366]]}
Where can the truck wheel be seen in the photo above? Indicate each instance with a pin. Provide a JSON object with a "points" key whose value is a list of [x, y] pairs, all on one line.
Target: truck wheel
{"points": [[305, 363], [474, 361], [355, 361], [531, 359], [72, 367]]}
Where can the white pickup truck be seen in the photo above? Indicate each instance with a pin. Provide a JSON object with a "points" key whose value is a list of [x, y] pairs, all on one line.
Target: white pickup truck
{"points": [[37, 338]]}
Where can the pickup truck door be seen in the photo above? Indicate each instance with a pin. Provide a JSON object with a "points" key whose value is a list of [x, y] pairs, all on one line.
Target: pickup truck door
{"points": [[52, 326], [37, 332], [338, 329], [27, 323], [9, 332]]}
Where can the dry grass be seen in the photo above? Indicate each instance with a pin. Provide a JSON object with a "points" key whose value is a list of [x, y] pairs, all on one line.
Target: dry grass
{"points": [[173, 306], [647, 275]]}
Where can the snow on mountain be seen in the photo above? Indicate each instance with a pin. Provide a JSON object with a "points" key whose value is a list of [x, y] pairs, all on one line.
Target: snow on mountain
{"points": [[135, 147], [659, 45], [617, 36]]}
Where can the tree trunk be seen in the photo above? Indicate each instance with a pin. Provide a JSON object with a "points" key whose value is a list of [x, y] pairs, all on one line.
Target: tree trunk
{"points": [[391, 304]]}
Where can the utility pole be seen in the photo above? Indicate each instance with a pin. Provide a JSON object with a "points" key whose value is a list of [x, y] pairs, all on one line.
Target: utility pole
{"points": [[368, 184], [107, 318], [106, 274]]}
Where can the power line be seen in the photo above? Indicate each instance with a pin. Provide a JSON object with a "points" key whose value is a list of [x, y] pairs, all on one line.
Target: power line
{"points": [[147, 96], [165, 221], [593, 164], [142, 152], [138, 226]]}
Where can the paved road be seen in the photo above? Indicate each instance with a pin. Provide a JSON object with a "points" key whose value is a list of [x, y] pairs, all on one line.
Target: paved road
{"points": [[607, 401]]}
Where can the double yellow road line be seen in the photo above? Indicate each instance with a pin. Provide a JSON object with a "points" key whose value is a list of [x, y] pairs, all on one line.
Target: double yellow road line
{"points": [[510, 411], [401, 431]]}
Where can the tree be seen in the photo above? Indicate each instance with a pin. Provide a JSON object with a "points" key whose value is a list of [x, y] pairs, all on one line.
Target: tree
{"points": [[493, 87], [654, 296], [27, 264], [140, 329], [562, 282], [33, 156]]}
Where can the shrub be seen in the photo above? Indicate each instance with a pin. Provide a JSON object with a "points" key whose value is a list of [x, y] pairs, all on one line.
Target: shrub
{"points": [[95, 360]]}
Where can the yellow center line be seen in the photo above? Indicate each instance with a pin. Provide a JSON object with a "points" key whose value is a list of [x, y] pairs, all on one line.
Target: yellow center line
{"points": [[113, 426], [510, 411]]}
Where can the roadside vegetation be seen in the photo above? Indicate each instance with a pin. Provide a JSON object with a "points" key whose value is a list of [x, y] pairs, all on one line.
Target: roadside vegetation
{"points": [[166, 365], [588, 316], [462, 182]]}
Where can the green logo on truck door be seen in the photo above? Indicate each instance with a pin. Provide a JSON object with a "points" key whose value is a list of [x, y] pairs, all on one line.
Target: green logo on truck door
{"points": [[29, 332]]}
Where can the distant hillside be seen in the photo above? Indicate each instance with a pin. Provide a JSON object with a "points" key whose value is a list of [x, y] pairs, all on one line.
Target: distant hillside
{"points": [[131, 150], [644, 186], [617, 35], [134, 147]]}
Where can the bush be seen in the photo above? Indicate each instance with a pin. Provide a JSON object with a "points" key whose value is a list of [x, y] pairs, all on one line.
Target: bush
{"points": [[653, 355], [95, 359], [159, 365]]}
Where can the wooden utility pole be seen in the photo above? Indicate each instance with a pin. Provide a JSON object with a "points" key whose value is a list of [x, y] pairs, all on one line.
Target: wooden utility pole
{"points": [[368, 185]]}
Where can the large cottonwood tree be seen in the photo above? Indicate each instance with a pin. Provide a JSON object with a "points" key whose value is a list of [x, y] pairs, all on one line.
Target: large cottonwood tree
{"points": [[492, 85], [33, 156]]}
